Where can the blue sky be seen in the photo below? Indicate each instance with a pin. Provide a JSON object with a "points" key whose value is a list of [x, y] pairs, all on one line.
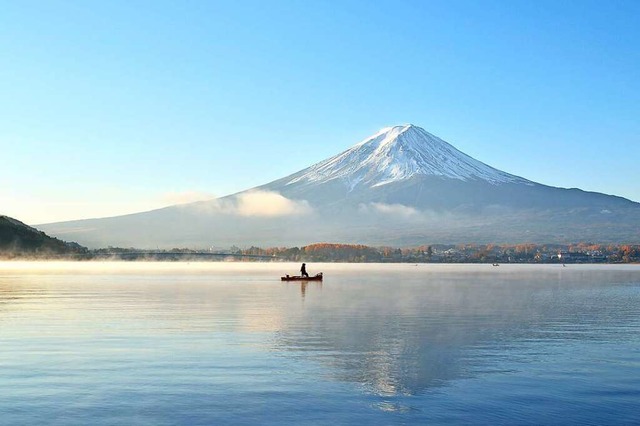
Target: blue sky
{"points": [[115, 107]]}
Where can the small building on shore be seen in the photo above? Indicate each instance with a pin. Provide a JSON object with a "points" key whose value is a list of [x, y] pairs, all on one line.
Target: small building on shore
{"points": [[573, 257]]}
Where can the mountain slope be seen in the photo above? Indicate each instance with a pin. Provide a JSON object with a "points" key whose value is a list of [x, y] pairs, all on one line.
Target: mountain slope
{"points": [[401, 186]]}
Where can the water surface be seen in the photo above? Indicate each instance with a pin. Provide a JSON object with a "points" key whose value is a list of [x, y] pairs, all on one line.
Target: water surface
{"points": [[228, 343]]}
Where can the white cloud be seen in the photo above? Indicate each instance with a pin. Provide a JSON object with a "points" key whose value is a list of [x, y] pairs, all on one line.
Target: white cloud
{"points": [[256, 204], [397, 210], [264, 203]]}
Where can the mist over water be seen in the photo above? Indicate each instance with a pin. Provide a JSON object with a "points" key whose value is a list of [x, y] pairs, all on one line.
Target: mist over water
{"points": [[199, 343]]}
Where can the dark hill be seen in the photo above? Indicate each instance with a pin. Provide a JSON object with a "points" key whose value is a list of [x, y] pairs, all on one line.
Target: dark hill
{"points": [[18, 240]]}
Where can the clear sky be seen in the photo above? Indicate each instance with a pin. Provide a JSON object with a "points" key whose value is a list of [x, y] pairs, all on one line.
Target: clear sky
{"points": [[113, 107]]}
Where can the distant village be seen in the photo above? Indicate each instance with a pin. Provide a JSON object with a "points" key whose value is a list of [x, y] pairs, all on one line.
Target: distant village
{"points": [[356, 253], [465, 253]]}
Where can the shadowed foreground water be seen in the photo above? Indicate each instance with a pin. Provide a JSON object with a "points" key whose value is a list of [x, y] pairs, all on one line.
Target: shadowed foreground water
{"points": [[202, 343]]}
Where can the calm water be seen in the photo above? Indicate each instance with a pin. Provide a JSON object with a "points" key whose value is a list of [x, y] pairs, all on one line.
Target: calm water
{"points": [[198, 343]]}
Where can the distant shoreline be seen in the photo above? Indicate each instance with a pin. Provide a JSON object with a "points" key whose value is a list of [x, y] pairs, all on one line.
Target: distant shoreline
{"points": [[495, 254]]}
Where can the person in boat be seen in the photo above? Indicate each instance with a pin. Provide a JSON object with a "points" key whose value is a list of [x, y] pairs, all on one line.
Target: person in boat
{"points": [[303, 270]]}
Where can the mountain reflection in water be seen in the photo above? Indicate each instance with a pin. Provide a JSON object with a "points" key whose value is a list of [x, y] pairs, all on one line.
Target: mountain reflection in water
{"points": [[408, 333], [201, 343]]}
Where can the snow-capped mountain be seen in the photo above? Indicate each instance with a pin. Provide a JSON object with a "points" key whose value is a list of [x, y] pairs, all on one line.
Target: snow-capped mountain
{"points": [[399, 153], [408, 166], [401, 186]]}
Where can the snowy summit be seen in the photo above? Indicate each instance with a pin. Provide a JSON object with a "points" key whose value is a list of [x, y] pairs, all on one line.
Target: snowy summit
{"points": [[399, 153]]}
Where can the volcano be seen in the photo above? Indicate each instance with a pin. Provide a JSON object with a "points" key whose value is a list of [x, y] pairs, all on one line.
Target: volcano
{"points": [[400, 186]]}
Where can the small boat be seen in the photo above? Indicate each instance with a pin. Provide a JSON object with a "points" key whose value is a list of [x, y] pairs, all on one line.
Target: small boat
{"points": [[316, 277]]}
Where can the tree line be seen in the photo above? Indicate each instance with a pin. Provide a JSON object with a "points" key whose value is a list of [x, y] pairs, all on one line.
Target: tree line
{"points": [[358, 253], [460, 253]]}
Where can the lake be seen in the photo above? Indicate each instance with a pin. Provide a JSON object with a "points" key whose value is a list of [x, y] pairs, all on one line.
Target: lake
{"points": [[229, 343]]}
